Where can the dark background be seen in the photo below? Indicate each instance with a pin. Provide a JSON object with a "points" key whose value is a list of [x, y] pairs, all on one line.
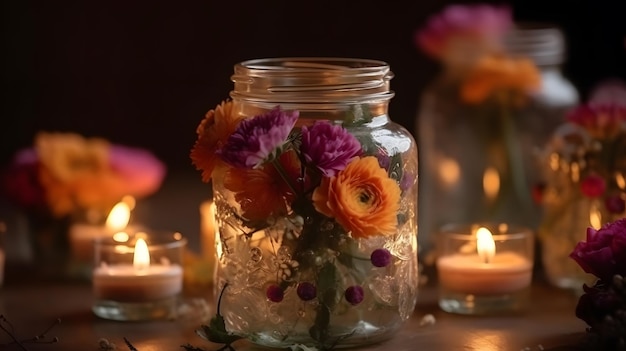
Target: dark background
{"points": [[143, 73]]}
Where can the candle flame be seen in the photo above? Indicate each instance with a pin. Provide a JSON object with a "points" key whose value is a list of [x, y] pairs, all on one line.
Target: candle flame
{"points": [[491, 182], [595, 217], [485, 245], [141, 258], [118, 217]]}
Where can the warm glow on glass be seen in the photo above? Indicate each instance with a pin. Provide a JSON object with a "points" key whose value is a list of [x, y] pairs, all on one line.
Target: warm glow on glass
{"points": [[121, 237], [491, 182], [595, 217], [130, 201], [621, 182], [449, 171], [141, 259], [485, 245], [118, 217], [554, 161], [575, 172]]}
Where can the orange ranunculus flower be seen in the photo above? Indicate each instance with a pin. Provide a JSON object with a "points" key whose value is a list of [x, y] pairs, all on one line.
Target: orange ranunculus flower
{"points": [[361, 197], [263, 192], [214, 129], [496, 73]]}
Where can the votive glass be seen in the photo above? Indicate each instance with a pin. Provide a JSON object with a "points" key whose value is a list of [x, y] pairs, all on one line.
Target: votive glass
{"points": [[489, 275], [138, 277]]}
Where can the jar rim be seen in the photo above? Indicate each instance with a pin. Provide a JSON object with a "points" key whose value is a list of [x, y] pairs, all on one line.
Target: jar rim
{"points": [[312, 80]]}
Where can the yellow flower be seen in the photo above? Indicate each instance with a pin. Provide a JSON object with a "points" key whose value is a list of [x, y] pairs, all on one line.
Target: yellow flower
{"points": [[361, 197], [74, 171], [213, 131], [495, 74]]}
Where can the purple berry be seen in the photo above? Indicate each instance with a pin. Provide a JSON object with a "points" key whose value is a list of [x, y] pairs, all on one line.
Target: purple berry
{"points": [[274, 293], [381, 257], [306, 291], [615, 204], [354, 294]]}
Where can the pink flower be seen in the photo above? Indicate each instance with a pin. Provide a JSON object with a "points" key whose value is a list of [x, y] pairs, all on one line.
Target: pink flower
{"points": [[601, 120], [604, 252], [476, 27], [329, 147], [140, 172], [258, 139]]}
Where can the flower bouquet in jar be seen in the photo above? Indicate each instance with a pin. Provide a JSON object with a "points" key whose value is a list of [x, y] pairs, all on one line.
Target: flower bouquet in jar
{"points": [[317, 227]]}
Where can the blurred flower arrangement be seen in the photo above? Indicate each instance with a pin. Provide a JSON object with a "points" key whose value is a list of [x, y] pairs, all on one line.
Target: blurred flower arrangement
{"points": [[475, 121], [585, 179], [603, 304], [297, 206], [464, 32], [65, 173]]}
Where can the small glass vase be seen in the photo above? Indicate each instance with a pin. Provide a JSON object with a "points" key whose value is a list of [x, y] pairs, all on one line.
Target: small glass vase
{"points": [[307, 274], [478, 161]]}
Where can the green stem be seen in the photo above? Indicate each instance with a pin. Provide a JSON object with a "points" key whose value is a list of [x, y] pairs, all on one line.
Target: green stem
{"points": [[514, 153], [283, 174]]}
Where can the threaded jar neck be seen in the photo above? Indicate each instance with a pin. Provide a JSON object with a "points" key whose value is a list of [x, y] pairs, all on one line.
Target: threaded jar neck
{"points": [[309, 83], [542, 43]]}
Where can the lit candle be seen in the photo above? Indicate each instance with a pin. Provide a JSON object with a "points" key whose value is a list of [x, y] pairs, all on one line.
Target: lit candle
{"points": [[486, 271], [82, 235], [142, 280]]}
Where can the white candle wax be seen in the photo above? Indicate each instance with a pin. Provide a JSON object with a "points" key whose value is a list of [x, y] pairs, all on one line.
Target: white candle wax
{"points": [[82, 237], [126, 283], [506, 272]]}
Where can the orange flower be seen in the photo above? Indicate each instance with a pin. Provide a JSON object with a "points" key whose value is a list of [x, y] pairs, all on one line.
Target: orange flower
{"points": [[495, 73], [361, 197], [263, 192], [214, 129]]}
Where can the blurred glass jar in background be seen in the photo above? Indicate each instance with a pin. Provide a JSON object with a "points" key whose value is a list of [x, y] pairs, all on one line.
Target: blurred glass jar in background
{"points": [[480, 125]]}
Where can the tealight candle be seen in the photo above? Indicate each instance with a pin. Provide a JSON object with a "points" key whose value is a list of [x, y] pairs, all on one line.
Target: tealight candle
{"points": [[138, 281], [83, 235], [480, 272]]}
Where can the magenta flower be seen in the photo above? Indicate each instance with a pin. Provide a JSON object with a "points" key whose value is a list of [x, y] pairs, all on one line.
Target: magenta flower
{"points": [[328, 147], [604, 252], [258, 139], [601, 120], [20, 181], [476, 27]]}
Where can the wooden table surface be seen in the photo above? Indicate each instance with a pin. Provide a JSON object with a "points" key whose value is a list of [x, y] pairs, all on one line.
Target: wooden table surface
{"points": [[31, 306]]}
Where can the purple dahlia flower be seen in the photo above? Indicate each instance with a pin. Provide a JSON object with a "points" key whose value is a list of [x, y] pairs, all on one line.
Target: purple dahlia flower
{"points": [[258, 139], [329, 147]]}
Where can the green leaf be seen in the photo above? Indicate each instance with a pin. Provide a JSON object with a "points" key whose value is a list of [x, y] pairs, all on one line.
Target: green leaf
{"points": [[216, 332]]}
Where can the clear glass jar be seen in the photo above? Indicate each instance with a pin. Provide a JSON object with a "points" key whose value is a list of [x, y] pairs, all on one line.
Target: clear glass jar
{"points": [[335, 264], [478, 161]]}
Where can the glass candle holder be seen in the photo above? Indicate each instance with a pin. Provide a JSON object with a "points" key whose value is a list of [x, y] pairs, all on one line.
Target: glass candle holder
{"points": [[138, 277], [484, 268]]}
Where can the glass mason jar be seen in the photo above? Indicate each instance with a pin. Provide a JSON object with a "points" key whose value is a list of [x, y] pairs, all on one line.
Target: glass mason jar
{"points": [[319, 240], [478, 160]]}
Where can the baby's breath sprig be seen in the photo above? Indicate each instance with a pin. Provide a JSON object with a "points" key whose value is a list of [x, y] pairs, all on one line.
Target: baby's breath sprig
{"points": [[41, 338]]}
